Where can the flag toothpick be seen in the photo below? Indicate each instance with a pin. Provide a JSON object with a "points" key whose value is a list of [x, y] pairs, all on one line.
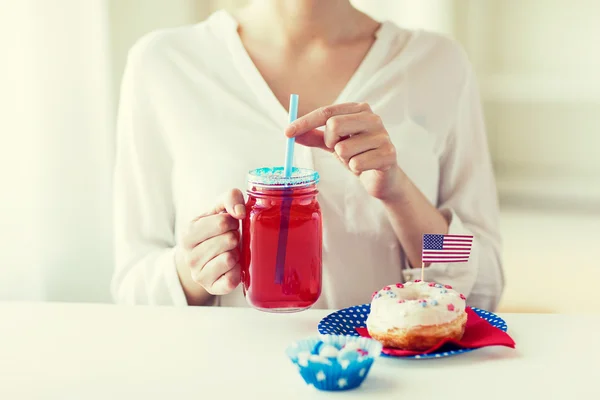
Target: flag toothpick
{"points": [[445, 249]]}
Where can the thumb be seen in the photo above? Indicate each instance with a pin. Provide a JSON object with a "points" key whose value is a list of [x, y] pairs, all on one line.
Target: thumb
{"points": [[231, 202], [313, 138]]}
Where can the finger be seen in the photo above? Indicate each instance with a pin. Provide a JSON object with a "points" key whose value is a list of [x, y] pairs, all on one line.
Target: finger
{"points": [[208, 227], [215, 270], [208, 274], [339, 127], [228, 281], [210, 248], [382, 159], [314, 138], [319, 117], [347, 125], [231, 202], [355, 145]]}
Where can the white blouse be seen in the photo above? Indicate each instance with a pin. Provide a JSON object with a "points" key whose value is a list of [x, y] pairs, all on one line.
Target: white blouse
{"points": [[195, 115]]}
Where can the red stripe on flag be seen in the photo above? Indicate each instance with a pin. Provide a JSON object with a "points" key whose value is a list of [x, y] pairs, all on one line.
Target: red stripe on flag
{"points": [[441, 256], [431, 253], [458, 236]]}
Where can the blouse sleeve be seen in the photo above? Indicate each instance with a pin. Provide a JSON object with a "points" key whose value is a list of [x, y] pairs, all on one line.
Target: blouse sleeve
{"points": [[468, 199], [145, 271]]}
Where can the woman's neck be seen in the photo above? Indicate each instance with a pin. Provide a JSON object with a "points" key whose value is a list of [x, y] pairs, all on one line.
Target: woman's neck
{"points": [[303, 22]]}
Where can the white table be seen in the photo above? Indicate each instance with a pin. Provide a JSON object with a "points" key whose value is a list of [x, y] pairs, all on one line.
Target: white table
{"points": [[77, 351]]}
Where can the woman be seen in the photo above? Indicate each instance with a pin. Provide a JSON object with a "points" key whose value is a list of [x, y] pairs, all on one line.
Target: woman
{"points": [[389, 117]]}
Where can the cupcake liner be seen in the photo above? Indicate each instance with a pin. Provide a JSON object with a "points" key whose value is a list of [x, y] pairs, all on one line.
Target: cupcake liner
{"points": [[346, 371]]}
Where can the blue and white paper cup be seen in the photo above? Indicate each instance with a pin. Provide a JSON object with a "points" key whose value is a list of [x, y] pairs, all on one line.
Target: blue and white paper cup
{"points": [[333, 363]]}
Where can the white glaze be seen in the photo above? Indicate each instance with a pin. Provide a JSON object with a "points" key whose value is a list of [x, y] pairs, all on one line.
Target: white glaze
{"points": [[442, 305]]}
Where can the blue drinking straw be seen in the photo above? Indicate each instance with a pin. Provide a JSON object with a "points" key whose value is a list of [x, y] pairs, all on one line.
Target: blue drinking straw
{"points": [[289, 151], [286, 204]]}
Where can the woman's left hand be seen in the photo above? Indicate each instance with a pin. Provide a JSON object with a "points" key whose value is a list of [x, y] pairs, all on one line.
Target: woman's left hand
{"points": [[358, 138]]}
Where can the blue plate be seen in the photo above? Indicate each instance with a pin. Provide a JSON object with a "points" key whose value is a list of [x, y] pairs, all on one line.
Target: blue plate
{"points": [[345, 321]]}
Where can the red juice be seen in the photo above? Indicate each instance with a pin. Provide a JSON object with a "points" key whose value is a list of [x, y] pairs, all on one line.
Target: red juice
{"points": [[282, 245]]}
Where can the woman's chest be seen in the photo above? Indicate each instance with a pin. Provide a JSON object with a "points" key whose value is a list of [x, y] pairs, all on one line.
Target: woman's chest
{"points": [[318, 74]]}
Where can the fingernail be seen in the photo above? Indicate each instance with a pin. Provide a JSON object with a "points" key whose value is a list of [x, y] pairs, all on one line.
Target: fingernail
{"points": [[240, 210], [290, 130]]}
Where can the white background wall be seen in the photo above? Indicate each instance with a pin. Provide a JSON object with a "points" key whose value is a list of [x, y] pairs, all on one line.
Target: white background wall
{"points": [[19, 273], [60, 73], [57, 150]]}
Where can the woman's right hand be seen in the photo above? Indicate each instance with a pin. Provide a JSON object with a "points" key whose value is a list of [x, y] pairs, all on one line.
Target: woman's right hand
{"points": [[209, 254]]}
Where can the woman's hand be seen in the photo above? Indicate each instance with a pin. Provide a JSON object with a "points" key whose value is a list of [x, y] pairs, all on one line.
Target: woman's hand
{"points": [[358, 138], [209, 253]]}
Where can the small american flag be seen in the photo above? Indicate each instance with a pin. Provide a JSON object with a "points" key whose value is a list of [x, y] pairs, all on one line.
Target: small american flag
{"points": [[446, 248]]}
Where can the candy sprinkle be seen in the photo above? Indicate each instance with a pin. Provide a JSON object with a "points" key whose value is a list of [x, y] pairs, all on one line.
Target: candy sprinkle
{"points": [[450, 307], [362, 352], [462, 296], [431, 284], [417, 280], [387, 288], [399, 285], [448, 286]]}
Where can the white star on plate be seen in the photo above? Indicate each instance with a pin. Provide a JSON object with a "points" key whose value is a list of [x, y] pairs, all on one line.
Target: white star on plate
{"points": [[321, 376], [342, 382], [362, 372], [302, 361]]}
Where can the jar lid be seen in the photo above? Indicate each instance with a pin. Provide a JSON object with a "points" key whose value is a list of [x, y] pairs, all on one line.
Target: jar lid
{"points": [[273, 176]]}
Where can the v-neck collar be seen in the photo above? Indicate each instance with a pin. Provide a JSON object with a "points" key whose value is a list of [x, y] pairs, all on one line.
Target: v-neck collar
{"points": [[276, 111]]}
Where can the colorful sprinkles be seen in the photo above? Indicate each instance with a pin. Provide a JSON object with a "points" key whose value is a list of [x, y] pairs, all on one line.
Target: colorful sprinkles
{"points": [[389, 293]]}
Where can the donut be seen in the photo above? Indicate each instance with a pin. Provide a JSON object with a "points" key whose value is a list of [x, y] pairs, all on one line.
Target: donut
{"points": [[416, 315]]}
